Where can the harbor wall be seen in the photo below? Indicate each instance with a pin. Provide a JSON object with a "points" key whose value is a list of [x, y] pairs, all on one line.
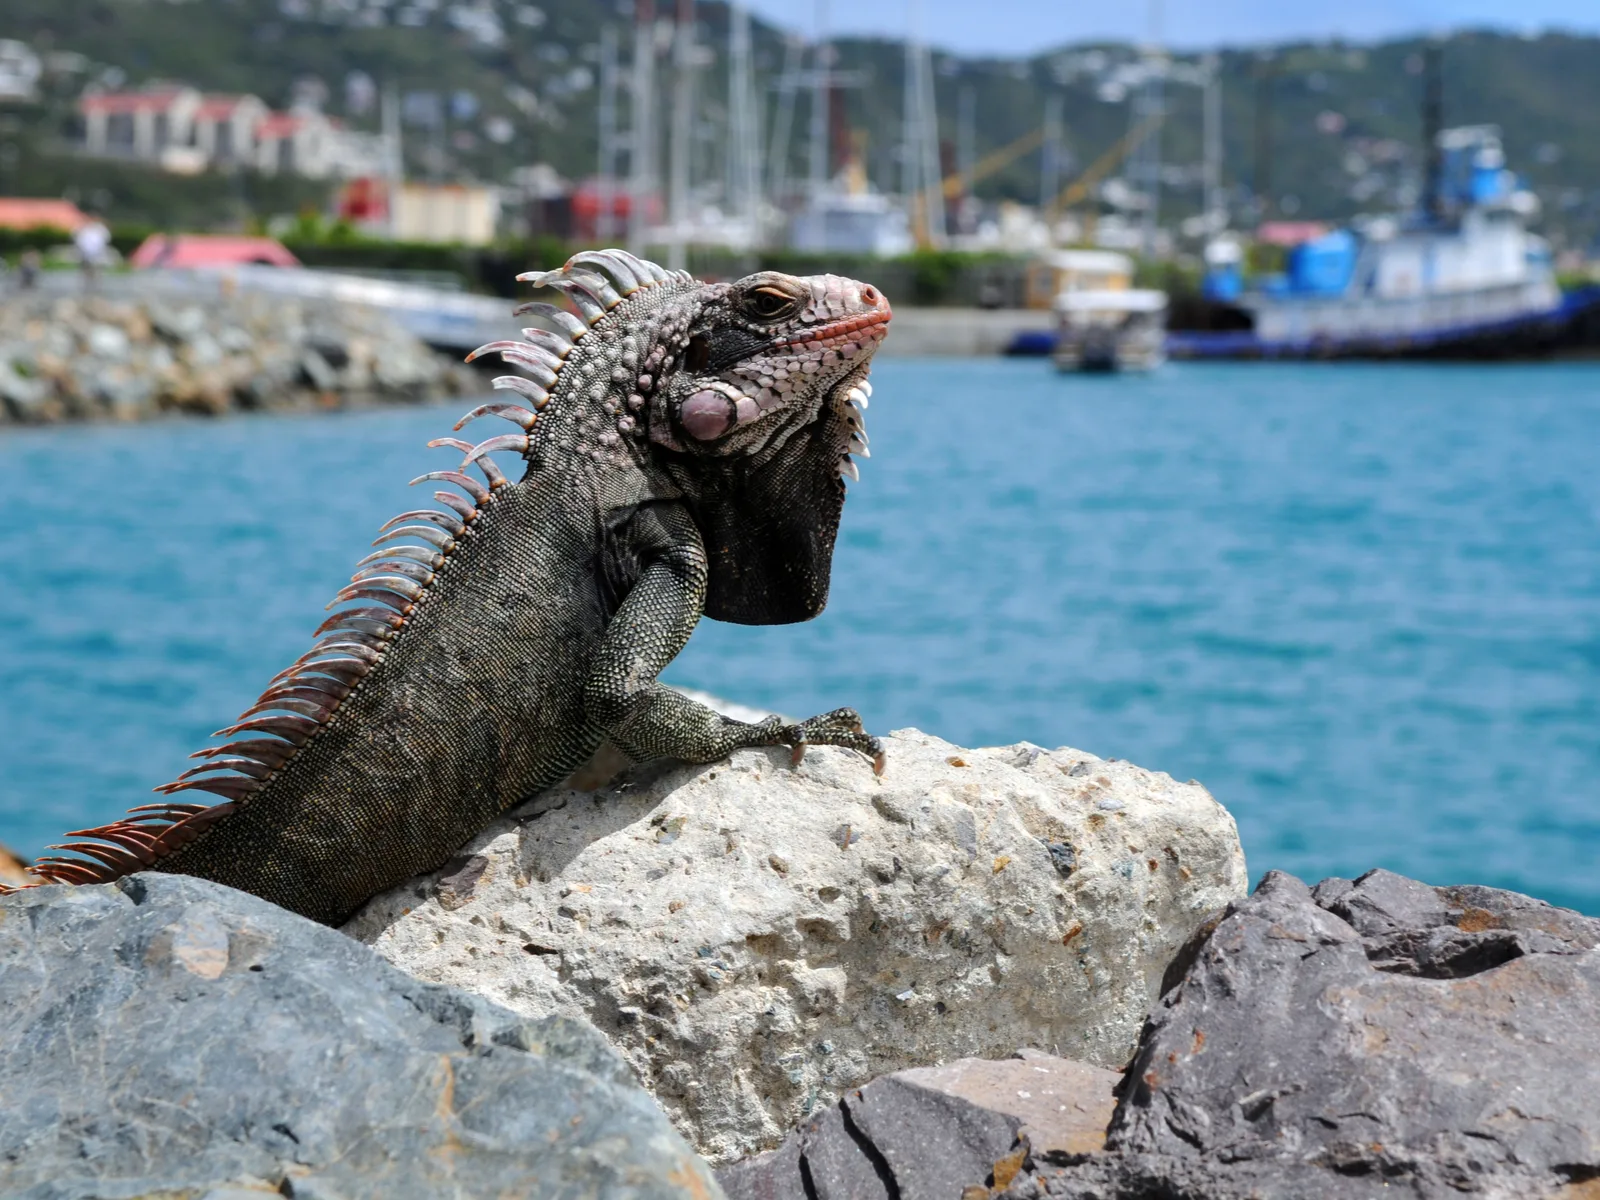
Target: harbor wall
{"points": [[959, 332]]}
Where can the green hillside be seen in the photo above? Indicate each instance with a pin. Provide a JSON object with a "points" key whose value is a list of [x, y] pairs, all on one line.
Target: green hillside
{"points": [[1344, 120]]}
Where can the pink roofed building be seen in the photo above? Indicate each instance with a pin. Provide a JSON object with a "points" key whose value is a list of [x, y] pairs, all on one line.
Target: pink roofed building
{"points": [[201, 251], [18, 213]]}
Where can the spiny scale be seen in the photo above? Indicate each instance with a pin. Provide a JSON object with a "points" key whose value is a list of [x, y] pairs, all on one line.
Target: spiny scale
{"points": [[300, 700]]}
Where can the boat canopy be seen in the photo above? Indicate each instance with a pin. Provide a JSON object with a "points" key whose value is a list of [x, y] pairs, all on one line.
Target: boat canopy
{"points": [[1126, 300]]}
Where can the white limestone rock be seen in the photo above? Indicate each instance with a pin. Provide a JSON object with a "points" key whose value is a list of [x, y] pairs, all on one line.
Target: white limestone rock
{"points": [[757, 938]]}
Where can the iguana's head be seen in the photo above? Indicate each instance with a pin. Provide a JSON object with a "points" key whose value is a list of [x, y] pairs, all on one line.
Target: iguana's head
{"points": [[757, 423], [746, 395]]}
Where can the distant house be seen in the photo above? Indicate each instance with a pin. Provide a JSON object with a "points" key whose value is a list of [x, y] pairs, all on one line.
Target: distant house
{"points": [[307, 142], [194, 250], [139, 125], [19, 70], [445, 213], [180, 129], [16, 213], [225, 128]]}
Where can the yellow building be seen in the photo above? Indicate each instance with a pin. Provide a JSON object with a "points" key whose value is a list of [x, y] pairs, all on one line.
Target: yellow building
{"points": [[456, 213]]}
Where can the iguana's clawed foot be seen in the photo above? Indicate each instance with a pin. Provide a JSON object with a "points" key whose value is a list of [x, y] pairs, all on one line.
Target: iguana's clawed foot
{"points": [[841, 727]]}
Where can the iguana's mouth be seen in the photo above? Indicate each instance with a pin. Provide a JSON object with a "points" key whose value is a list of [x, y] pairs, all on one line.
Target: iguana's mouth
{"points": [[869, 327]]}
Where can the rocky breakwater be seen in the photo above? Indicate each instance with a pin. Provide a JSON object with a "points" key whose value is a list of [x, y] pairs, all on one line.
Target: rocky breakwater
{"points": [[134, 357], [757, 938], [166, 1036], [1362, 1039]]}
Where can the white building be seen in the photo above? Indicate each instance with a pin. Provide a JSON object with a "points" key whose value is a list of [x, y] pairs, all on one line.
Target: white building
{"points": [[19, 70], [180, 129], [308, 142]]}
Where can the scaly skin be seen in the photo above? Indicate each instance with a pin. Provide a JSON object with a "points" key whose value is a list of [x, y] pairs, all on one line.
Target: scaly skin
{"points": [[684, 445]]}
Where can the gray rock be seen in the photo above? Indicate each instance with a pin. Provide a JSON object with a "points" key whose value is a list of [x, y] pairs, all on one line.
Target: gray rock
{"points": [[317, 371], [23, 397], [930, 1132], [757, 939], [168, 1036], [1380, 1037], [177, 324], [106, 341]]}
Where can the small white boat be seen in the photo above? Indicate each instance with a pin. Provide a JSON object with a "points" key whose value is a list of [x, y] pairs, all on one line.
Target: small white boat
{"points": [[1110, 329]]}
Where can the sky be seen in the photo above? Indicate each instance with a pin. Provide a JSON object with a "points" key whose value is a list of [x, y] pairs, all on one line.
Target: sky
{"points": [[1022, 27]]}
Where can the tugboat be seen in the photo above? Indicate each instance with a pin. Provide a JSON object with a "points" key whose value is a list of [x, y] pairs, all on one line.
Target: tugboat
{"points": [[1464, 277]]}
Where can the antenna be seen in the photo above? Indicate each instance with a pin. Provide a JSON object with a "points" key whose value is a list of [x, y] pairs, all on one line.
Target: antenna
{"points": [[642, 159]]}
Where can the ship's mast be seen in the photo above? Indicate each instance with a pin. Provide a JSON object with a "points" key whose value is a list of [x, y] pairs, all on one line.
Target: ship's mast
{"points": [[1216, 209], [1432, 125], [821, 66], [783, 122], [606, 184], [1148, 107], [744, 151], [682, 131], [642, 146], [1266, 72], [924, 181]]}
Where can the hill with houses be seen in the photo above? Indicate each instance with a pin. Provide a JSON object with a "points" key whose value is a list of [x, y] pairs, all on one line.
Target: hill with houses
{"points": [[262, 102]]}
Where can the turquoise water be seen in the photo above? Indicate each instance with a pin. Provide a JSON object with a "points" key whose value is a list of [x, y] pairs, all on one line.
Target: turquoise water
{"points": [[1360, 603]]}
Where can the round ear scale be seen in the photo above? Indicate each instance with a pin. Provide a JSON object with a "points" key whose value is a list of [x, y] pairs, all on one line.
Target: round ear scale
{"points": [[707, 414]]}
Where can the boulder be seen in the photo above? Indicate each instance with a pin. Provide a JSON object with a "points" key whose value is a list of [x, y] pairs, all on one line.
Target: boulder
{"points": [[935, 1133], [138, 353], [757, 939], [169, 1036], [1371, 1038]]}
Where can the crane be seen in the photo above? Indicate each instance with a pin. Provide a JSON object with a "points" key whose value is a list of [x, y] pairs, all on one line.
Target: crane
{"points": [[1105, 164], [996, 160]]}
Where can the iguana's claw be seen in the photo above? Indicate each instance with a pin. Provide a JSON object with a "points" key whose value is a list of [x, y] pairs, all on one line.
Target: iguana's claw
{"points": [[842, 727]]}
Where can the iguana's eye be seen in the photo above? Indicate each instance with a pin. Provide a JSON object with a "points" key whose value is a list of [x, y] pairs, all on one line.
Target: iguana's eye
{"points": [[768, 303]]}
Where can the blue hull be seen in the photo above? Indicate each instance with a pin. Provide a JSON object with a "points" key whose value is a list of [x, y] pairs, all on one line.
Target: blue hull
{"points": [[1528, 336]]}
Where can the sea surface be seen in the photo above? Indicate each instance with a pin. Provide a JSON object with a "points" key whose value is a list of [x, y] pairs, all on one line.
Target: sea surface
{"points": [[1360, 603]]}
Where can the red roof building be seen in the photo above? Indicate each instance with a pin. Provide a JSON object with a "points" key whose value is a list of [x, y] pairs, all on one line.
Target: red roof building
{"points": [[202, 251], [182, 130], [1290, 233], [16, 213]]}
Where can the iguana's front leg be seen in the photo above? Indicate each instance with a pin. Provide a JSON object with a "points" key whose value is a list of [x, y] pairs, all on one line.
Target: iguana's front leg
{"points": [[646, 719]]}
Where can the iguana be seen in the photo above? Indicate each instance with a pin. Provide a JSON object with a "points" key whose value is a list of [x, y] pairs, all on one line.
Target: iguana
{"points": [[685, 445]]}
